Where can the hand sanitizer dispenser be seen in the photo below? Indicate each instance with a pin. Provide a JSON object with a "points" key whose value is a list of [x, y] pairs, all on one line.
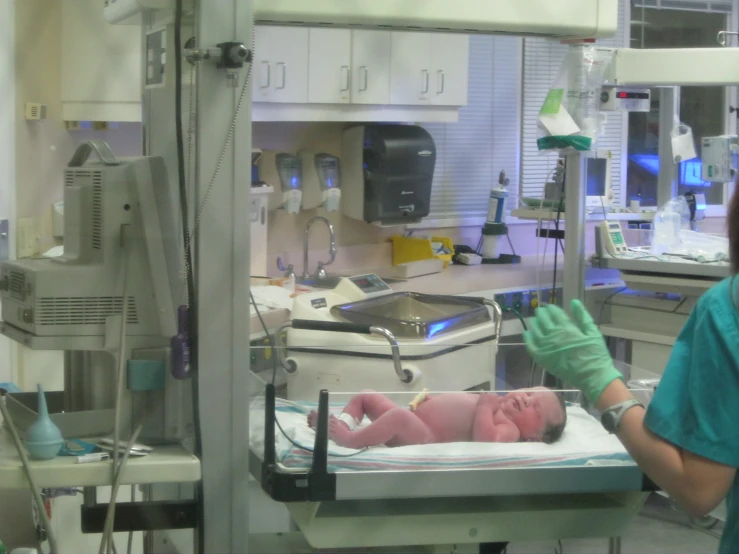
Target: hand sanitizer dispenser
{"points": [[322, 181], [329, 177], [289, 168]]}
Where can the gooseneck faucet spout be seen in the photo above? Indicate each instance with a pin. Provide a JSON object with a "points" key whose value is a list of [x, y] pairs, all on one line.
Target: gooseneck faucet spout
{"points": [[320, 270]]}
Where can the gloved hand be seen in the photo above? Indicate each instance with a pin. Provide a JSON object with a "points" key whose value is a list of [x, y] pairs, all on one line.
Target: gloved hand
{"points": [[571, 349]]}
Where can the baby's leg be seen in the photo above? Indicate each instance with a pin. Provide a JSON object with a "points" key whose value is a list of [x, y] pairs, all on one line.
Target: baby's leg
{"points": [[366, 403], [396, 427]]}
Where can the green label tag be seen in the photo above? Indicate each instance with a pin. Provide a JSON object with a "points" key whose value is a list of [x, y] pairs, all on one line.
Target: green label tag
{"points": [[553, 102], [710, 171]]}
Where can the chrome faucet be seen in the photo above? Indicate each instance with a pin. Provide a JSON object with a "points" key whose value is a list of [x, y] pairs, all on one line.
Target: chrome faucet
{"points": [[320, 270]]}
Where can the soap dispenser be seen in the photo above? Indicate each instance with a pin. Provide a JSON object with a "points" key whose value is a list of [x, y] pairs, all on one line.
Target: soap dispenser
{"points": [[43, 439]]}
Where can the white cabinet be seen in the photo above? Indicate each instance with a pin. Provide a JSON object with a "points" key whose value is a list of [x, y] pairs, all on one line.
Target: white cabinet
{"points": [[450, 61], [349, 67], [327, 74], [281, 65], [410, 77], [329, 68], [371, 67], [101, 65], [429, 69]]}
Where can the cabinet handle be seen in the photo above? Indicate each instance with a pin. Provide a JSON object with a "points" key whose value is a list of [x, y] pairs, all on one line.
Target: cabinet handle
{"points": [[364, 78], [283, 69], [442, 82], [425, 81], [268, 73], [345, 78]]}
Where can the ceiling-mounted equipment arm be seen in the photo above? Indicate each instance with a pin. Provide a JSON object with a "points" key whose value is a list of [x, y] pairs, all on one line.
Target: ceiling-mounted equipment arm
{"points": [[561, 19], [666, 67]]}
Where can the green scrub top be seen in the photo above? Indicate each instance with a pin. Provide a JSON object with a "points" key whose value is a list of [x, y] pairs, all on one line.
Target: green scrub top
{"points": [[696, 405]]}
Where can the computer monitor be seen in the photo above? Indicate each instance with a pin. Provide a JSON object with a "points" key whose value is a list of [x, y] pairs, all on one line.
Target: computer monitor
{"points": [[598, 170]]}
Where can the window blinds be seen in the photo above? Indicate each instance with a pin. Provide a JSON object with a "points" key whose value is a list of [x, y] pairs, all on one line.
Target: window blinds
{"points": [[723, 6], [542, 60], [472, 152]]}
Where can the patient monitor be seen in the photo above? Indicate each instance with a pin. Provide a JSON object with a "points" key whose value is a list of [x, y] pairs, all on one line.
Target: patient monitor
{"points": [[598, 176], [118, 216]]}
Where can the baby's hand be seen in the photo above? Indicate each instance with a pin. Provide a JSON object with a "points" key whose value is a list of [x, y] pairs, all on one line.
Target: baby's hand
{"points": [[489, 399]]}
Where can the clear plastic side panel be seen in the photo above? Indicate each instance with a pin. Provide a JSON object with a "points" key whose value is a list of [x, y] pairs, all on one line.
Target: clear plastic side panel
{"points": [[467, 407]]}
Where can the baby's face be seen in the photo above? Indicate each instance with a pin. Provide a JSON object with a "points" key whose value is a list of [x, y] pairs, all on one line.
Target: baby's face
{"points": [[531, 410]]}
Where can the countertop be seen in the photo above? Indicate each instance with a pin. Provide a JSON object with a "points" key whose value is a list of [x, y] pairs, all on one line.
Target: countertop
{"points": [[461, 279]]}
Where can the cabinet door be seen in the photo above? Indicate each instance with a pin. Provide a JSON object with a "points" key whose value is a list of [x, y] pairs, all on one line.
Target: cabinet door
{"points": [[101, 64], [371, 67], [410, 77], [329, 68], [262, 70], [450, 69], [281, 68]]}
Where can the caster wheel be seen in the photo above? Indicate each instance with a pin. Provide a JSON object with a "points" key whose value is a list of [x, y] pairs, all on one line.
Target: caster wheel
{"points": [[707, 522]]}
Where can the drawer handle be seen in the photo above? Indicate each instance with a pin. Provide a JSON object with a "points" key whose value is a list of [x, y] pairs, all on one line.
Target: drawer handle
{"points": [[442, 81], [363, 78], [268, 74], [345, 78], [283, 71]]}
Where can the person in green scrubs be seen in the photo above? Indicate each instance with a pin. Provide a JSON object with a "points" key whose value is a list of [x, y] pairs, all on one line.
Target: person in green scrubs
{"points": [[687, 442]]}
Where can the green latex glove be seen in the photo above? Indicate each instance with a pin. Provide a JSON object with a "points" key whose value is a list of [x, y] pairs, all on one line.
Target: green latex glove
{"points": [[571, 349]]}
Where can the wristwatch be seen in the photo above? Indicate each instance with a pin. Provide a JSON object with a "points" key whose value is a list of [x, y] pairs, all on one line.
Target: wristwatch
{"points": [[611, 418]]}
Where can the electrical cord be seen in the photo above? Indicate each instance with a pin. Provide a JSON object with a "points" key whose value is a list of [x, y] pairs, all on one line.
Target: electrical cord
{"points": [[180, 138], [560, 207], [515, 312], [29, 475], [110, 515], [190, 293], [605, 303], [129, 542], [229, 136], [270, 339], [120, 377]]}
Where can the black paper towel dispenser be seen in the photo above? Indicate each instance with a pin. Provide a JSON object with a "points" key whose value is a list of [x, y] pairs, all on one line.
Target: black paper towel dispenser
{"points": [[386, 173]]}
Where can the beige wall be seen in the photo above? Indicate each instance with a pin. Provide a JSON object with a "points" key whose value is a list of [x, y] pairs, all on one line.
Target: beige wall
{"points": [[362, 245], [43, 148]]}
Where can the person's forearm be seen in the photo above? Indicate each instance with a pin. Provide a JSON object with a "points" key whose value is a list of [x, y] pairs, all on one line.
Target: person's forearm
{"points": [[660, 460]]}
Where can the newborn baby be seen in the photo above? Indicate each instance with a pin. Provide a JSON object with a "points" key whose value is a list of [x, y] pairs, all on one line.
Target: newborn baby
{"points": [[536, 415]]}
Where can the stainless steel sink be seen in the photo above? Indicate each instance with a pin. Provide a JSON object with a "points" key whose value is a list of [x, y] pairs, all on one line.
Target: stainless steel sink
{"points": [[328, 282]]}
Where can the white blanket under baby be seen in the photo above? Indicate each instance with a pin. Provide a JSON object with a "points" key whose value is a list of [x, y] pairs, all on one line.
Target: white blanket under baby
{"points": [[584, 442]]}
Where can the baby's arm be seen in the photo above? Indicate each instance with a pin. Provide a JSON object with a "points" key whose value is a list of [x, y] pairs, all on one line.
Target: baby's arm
{"points": [[490, 425]]}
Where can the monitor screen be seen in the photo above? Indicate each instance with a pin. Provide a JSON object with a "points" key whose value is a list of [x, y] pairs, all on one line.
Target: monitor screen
{"points": [[597, 175]]}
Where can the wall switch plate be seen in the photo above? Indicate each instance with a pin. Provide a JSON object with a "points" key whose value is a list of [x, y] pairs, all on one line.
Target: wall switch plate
{"points": [[27, 238], [35, 111]]}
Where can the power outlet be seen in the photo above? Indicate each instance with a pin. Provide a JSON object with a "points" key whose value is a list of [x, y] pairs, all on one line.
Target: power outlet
{"points": [[27, 244], [533, 299], [517, 301], [500, 299]]}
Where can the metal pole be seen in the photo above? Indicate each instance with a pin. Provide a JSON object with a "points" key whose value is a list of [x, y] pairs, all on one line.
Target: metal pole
{"points": [[669, 113], [222, 277], [574, 268]]}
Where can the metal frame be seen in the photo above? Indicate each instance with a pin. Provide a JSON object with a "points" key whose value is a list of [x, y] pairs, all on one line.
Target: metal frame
{"points": [[317, 484], [575, 193], [223, 277]]}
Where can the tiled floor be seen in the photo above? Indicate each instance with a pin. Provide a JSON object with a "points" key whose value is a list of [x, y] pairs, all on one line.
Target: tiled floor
{"points": [[657, 530]]}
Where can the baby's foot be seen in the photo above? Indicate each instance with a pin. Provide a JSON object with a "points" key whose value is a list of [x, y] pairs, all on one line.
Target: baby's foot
{"points": [[339, 432], [313, 419]]}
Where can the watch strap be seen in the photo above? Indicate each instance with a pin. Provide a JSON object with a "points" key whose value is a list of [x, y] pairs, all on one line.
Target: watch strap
{"points": [[613, 416]]}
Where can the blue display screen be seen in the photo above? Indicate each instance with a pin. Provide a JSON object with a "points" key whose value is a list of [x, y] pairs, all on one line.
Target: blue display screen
{"points": [[597, 171], [690, 171]]}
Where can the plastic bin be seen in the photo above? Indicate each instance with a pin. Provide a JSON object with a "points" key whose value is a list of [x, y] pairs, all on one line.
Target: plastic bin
{"points": [[413, 249]]}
